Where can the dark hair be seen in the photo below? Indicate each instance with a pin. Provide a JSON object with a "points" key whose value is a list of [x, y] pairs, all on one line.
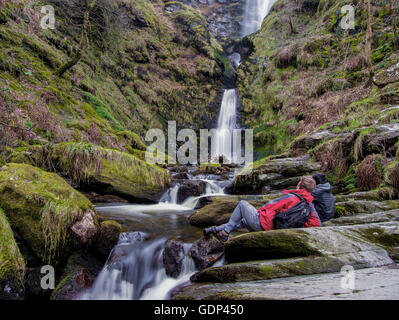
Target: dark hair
{"points": [[320, 178]]}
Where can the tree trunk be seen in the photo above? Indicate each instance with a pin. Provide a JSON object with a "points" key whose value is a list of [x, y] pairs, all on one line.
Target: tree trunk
{"points": [[369, 34], [83, 40]]}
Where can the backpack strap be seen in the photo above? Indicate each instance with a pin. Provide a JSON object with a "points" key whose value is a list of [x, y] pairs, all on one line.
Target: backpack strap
{"points": [[300, 197]]}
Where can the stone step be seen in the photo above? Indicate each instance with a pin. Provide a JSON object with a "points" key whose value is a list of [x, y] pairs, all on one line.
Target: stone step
{"points": [[354, 207], [384, 216], [271, 269], [379, 283]]}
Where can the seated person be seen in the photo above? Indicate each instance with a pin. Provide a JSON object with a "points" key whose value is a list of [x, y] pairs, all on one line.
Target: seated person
{"points": [[324, 201], [247, 216]]}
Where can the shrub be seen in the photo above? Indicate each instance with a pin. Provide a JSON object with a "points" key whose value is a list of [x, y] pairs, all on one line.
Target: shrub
{"points": [[369, 173]]}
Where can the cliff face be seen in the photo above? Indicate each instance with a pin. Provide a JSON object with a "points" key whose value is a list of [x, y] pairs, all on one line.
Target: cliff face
{"points": [[224, 16], [147, 62], [306, 71]]}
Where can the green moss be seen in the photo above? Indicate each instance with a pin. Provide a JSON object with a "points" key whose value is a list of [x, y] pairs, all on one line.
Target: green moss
{"points": [[12, 264], [42, 207], [268, 245]]}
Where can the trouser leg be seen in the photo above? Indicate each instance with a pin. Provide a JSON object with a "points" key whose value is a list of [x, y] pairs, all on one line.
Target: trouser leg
{"points": [[244, 215]]}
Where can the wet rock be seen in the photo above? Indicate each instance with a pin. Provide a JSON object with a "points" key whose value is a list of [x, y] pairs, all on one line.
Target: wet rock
{"points": [[107, 238], [206, 251], [372, 283], [127, 241], [208, 169], [173, 257], [190, 188], [80, 273], [104, 198], [181, 175], [33, 288], [87, 227]]}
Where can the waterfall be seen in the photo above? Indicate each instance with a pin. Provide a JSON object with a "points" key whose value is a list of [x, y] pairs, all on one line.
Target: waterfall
{"points": [[255, 12], [222, 142], [135, 271]]}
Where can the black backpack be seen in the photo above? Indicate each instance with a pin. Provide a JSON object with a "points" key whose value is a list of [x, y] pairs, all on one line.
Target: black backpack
{"points": [[294, 217]]}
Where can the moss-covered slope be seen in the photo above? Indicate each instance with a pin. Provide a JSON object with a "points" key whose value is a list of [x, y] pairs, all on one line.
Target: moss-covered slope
{"points": [[144, 65], [307, 71]]}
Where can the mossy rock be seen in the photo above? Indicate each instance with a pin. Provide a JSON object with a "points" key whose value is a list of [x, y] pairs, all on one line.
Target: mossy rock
{"points": [[12, 263], [107, 238], [46, 211], [105, 171], [354, 207], [325, 241], [384, 216], [79, 274]]}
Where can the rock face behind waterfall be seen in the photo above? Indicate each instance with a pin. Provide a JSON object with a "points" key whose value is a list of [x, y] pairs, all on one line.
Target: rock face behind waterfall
{"points": [[274, 174]]}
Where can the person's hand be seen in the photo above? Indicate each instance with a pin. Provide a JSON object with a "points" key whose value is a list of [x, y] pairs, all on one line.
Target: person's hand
{"points": [[299, 185]]}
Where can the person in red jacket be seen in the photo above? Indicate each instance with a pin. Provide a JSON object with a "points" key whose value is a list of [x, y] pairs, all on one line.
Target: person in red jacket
{"points": [[247, 216]]}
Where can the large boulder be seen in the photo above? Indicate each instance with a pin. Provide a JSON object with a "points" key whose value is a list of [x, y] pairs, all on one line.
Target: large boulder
{"points": [[325, 241], [12, 264], [102, 170], [189, 189], [53, 218], [371, 283]]}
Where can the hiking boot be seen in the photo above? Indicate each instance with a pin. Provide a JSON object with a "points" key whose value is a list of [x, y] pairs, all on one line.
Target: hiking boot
{"points": [[222, 236]]}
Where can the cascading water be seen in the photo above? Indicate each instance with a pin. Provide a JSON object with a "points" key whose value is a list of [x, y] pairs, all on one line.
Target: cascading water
{"points": [[135, 268], [222, 143], [255, 12]]}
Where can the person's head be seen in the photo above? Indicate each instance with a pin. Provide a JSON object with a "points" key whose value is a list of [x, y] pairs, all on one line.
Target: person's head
{"points": [[320, 178], [307, 183]]}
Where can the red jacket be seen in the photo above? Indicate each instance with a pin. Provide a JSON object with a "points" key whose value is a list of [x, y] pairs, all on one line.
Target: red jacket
{"points": [[286, 201]]}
